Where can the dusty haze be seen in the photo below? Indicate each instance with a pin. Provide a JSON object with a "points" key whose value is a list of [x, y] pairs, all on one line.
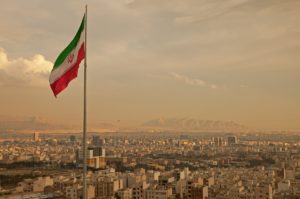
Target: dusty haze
{"points": [[231, 60]]}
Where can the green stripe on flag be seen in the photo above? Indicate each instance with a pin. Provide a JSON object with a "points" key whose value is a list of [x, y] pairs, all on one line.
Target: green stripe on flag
{"points": [[62, 56]]}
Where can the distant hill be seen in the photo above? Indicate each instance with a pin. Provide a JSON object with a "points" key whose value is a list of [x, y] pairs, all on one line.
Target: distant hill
{"points": [[28, 123], [193, 125]]}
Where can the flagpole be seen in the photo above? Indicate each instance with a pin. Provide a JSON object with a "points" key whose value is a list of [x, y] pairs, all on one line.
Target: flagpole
{"points": [[84, 110]]}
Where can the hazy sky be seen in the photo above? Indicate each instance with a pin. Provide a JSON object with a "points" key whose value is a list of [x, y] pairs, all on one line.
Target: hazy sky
{"points": [[208, 59]]}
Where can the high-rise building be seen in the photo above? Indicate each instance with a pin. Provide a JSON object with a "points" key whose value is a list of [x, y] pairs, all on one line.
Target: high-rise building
{"points": [[195, 181], [72, 138], [159, 192], [125, 193], [97, 151], [263, 191], [199, 192], [106, 187], [152, 175], [218, 141], [138, 190], [209, 181], [36, 136], [232, 140], [97, 141], [95, 157], [179, 174]]}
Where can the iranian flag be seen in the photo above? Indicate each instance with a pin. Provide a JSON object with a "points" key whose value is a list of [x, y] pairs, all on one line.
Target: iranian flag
{"points": [[66, 66]]}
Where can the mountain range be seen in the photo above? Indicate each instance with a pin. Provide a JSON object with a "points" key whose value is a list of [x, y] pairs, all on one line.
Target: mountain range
{"points": [[191, 125], [23, 124], [19, 123]]}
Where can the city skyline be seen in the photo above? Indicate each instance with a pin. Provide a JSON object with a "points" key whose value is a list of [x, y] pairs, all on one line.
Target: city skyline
{"points": [[146, 166], [230, 61]]}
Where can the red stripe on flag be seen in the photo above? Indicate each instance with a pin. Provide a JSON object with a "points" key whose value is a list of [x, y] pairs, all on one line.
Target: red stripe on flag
{"points": [[62, 83]]}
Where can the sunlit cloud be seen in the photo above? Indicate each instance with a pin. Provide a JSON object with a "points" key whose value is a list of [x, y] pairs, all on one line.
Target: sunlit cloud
{"points": [[191, 81], [188, 80], [33, 71]]}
